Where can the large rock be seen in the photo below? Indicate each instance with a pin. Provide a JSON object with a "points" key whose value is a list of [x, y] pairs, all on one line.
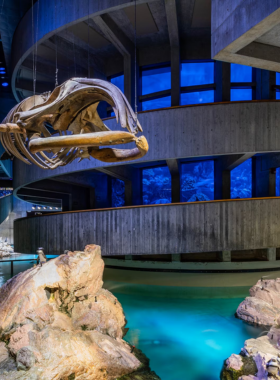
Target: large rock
{"points": [[56, 322], [263, 305]]}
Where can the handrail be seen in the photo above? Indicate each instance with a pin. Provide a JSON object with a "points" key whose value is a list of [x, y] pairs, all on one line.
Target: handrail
{"points": [[145, 206]]}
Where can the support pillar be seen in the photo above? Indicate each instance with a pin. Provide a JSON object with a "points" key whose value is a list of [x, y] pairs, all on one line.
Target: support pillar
{"points": [[222, 80], [226, 184], [174, 169], [224, 256], [271, 254], [176, 258], [272, 182]]}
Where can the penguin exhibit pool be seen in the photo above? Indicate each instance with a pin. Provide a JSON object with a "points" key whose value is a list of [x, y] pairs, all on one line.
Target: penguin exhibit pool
{"points": [[186, 334]]}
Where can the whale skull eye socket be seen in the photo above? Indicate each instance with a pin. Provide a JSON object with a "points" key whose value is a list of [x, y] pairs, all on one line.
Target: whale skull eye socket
{"points": [[53, 129]]}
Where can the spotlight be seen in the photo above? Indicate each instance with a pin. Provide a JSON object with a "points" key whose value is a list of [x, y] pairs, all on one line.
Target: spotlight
{"points": [[50, 208], [44, 208], [5, 84], [56, 208], [33, 208], [39, 208]]}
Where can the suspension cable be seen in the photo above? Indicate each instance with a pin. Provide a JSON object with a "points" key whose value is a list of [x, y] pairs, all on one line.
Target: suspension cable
{"points": [[56, 68], [88, 43], [36, 51], [135, 62]]}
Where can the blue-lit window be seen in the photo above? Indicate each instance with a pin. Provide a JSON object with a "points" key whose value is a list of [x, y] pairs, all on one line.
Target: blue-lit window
{"points": [[241, 180], [152, 104], [243, 75], [156, 185], [277, 184], [197, 181], [277, 84], [197, 73], [155, 80], [240, 94], [118, 81], [197, 97], [240, 73], [118, 191]]}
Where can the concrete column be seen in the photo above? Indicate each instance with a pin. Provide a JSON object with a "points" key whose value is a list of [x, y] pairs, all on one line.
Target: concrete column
{"points": [[225, 256], [226, 184], [271, 254], [176, 258], [272, 182], [265, 84], [174, 169], [221, 181], [222, 80], [175, 76], [129, 80], [128, 193], [137, 187], [260, 179]]}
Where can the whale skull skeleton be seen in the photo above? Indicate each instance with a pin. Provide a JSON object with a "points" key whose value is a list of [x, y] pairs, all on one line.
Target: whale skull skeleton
{"points": [[53, 129]]}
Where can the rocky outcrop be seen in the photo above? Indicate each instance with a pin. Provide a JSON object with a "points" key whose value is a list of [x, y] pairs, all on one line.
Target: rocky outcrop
{"points": [[262, 308], [57, 322], [5, 249], [263, 305]]}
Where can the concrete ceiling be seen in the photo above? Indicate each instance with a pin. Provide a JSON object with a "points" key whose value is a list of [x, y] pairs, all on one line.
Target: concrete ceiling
{"points": [[73, 52]]}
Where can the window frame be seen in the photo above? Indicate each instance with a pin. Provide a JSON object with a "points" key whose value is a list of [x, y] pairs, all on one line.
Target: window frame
{"points": [[141, 178], [244, 85], [199, 87]]}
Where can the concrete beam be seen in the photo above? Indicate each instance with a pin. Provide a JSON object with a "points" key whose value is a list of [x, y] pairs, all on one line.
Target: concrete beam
{"points": [[173, 30], [127, 49], [174, 169]]}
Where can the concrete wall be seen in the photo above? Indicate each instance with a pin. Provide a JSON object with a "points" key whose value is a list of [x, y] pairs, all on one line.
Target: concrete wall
{"points": [[157, 229]]}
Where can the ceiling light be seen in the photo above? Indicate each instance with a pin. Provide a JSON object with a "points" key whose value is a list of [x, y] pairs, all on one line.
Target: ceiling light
{"points": [[33, 208], [50, 208], [39, 208], [5, 84]]}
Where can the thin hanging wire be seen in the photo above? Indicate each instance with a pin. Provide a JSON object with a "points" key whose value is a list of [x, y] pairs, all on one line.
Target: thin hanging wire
{"points": [[74, 50], [36, 51], [56, 68], [135, 62], [33, 51], [88, 42]]}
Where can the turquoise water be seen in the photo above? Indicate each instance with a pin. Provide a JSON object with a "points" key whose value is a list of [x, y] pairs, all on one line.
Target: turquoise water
{"points": [[186, 338]]}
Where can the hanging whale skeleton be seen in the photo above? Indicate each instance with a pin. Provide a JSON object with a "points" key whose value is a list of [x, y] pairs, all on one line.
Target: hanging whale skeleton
{"points": [[29, 131]]}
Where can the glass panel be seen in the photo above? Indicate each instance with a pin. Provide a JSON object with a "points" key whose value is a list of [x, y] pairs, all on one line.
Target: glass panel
{"points": [[156, 103], [197, 97], [240, 73], [241, 180], [154, 80], [193, 74], [277, 95], [156, 185], [277, 190], [197, 181], [5, 191], [278, 78], [118, 188], [119, 82], [240, 94]]}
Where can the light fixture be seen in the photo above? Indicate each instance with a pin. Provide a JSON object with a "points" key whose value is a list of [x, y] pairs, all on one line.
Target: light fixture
{"points": [[50, 208], [5, 84], [44, 208], [39, 208], [2, 68], [56, 208], [33, 208]]}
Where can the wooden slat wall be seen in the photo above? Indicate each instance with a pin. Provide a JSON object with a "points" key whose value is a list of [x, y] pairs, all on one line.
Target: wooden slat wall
{"points": [[161, 229], [189, 131], [6, 204]]}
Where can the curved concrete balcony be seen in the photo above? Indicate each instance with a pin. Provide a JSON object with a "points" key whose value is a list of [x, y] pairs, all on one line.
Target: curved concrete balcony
{"points": [[187, 131], [240, 224]]}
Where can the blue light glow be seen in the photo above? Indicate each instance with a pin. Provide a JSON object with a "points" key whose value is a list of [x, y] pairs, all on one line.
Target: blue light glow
{"points": [[156, 103], [5, 84], [240, 94], [118, 189], [197, 73], [240, 73], [197, 97], [197, 181], [277, 184], [118, 81], [277, 95], [278, 79], [241, 180], [156, 185], [154, 80]]}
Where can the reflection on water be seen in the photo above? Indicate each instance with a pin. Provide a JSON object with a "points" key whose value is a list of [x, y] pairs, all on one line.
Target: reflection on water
{"points": [[185, 338]]}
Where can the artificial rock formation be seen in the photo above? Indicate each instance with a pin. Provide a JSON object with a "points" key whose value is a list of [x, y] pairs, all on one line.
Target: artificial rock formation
{"points": [[57, 322], [263, 305], [5, 249], [259, 359]]}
